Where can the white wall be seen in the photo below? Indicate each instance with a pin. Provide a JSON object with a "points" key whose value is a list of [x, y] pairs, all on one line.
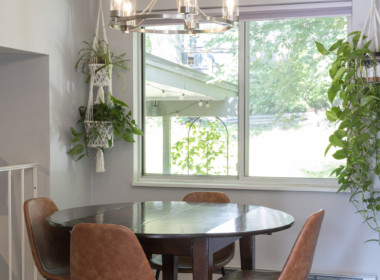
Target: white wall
{"points": [[55, 28], [48, 104], [341, 249]]}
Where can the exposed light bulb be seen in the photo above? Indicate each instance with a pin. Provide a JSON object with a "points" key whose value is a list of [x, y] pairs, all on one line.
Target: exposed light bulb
{"points": [[182, 97], [116, 5], [127, 9], [200, 103], [207, 104], [231, 9], [164, 93], [230, 6]]}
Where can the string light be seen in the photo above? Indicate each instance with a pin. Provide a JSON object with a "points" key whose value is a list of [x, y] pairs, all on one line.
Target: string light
{"points": [[176, 113]]}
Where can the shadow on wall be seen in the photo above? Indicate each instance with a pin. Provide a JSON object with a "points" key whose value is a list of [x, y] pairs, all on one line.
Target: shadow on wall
{"points": [[4, 269], [68, 90], [3, 190]]}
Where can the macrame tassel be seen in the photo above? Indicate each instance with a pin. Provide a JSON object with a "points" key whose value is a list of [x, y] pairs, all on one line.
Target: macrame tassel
{"points": [[100, 161], [100, 96]]}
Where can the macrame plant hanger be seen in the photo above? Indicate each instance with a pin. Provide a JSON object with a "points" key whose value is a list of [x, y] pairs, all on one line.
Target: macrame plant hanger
{"points": [[99, 78], [371, 30]]}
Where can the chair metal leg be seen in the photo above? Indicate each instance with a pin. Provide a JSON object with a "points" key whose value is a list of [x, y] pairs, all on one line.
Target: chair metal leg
{"points": [[223, 271], [157, 274]]}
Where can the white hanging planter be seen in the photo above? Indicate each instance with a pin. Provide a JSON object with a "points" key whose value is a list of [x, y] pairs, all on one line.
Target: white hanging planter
{"points": [[370, 33], [372, 68], [99, 134], [101, 74], [99, 131]]}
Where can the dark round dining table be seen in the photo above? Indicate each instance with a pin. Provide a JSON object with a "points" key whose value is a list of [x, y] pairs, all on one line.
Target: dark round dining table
{"points": [[177, 228]]}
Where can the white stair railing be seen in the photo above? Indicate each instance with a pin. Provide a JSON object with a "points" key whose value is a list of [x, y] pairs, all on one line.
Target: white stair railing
{"points": [[9, 170]]}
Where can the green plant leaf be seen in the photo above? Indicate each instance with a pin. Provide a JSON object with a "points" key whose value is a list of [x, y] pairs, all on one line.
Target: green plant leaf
{"points": [[77, 149], [332, 91], [137, 130], [361, 138], [128, 136], [339, 74], [321, 48], [80, 157], [336, 141], [340, 154], [369, 99], [340, 133], [377, 169], [334, 68], [77, 138], [335, 45], [327, 149], [332, 114], [74, 132]]}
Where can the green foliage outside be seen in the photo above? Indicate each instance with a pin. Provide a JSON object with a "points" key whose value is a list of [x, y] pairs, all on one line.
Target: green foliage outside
{"points": [[204, 151], [286, 75]]}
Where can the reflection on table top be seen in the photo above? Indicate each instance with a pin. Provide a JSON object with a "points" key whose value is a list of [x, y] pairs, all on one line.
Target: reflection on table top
{"points": [[178, 219]]}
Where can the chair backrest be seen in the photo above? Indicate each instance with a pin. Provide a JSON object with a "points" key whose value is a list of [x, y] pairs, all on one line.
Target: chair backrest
{"points": [[107, 252], [298, 264], [50, 246], [218, 197]]}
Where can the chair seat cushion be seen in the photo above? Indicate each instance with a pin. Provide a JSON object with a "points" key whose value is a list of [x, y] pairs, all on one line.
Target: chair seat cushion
{"points": [[252, 275]]}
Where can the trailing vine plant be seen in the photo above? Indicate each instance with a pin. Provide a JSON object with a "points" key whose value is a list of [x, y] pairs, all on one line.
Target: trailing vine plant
{"points": [[116, 113], [355, 98]]}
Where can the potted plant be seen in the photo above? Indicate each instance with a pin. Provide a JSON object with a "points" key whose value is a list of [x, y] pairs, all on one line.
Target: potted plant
{"points": [[355, 97], [372, 66], [98, 61], [112, 120]]}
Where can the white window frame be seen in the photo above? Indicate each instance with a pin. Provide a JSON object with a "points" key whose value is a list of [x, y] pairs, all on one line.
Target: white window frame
{"points": [[242, 181]]}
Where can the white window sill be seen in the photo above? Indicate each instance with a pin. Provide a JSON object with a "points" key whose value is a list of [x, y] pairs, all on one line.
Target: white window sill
{"points": [[257, 183]]}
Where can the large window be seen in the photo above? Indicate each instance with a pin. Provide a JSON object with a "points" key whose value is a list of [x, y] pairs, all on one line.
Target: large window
{"points": [[198, 89]]}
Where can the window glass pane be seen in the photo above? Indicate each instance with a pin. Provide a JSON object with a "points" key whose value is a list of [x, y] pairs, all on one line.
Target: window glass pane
{"points": [[288, 81], [191, 104]]}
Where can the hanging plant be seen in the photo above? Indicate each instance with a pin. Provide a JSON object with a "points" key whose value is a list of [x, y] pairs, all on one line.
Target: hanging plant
{"points": [[111, 121], [106, 118], [97, 59], [355, 97]]}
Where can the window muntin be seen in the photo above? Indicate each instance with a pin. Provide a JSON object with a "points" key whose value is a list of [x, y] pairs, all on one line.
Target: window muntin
{"points": [[169, 115]]}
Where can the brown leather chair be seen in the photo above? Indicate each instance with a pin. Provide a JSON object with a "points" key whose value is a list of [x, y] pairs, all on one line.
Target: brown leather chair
{"points": [[107, 252], [298, 264], [50, 246], [221, 257]]}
